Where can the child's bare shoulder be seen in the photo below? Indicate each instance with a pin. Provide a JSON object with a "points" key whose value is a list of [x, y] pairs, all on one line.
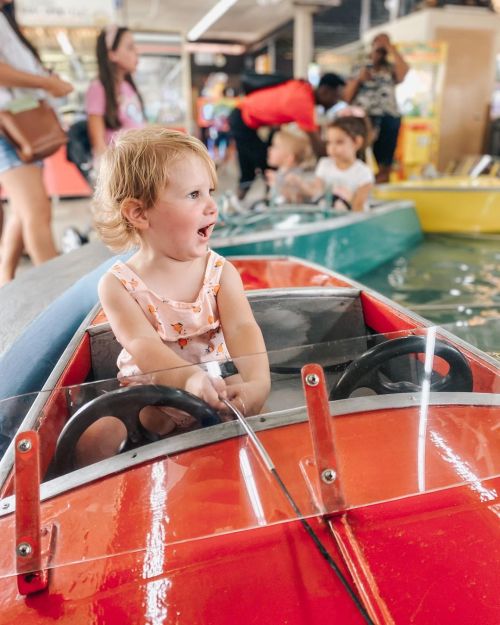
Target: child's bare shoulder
{"points": [[109, 285], [229, 271]]}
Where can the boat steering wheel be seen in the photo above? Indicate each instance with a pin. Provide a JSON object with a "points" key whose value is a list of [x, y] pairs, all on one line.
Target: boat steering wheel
{"points": [[361, 372], [125, 404], [337, 198]]}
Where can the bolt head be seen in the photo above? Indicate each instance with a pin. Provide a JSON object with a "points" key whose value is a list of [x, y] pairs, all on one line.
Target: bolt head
{"points": [[312, 379], [24, 549], [328, 476], [24, 445]]}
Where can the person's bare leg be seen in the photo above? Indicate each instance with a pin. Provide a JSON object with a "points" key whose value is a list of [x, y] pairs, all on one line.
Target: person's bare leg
{"points": [[383, 174], [103, 439], [2, 218], [12, 247], [29, 202]]}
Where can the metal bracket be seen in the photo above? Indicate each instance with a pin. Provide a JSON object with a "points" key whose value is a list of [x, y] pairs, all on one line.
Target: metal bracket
{"points": [[31, 576], [320, 423]]}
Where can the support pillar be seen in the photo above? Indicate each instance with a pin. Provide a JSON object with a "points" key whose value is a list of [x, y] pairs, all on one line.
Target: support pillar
{"points": [[303, 40]]}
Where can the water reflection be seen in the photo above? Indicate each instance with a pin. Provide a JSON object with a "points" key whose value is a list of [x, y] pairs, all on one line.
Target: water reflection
{"points": [[450, 280]]}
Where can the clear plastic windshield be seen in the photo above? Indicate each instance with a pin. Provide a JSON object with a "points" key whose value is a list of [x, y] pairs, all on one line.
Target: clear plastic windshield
{"points": [[405, 423], [282, 217]]}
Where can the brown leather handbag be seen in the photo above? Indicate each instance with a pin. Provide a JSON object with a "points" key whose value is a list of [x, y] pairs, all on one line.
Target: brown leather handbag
{"points": [[35, 132]]}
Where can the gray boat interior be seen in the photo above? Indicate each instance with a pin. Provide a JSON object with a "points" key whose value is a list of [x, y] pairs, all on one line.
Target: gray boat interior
{"points": [[299, 325]]}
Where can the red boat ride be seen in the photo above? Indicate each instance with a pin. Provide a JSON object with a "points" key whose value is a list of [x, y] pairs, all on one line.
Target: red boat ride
{"points": [[367, 491]]}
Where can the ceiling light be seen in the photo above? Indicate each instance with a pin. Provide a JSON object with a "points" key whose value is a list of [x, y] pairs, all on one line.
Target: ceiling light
{"points": [[209, 18], [64, 43]]}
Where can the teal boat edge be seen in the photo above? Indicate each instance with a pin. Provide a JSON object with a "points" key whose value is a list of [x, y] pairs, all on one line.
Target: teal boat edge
{"points": [[353, 244]]}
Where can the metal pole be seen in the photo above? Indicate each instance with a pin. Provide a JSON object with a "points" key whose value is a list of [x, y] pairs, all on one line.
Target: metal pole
{"points": [[365, 17]]}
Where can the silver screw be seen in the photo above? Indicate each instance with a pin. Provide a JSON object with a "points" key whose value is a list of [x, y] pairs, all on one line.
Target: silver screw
{"points": [[24, 549], [5, 506], [328, 476], [312, 379], [24, 445]]}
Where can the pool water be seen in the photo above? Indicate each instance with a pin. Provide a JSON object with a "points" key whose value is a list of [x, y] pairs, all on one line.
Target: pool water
{"points": [[450, 280]]}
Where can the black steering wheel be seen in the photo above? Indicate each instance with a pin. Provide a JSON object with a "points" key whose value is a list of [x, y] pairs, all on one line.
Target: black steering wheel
{"points": [[361, 371], [337, 198], [125, 404]]}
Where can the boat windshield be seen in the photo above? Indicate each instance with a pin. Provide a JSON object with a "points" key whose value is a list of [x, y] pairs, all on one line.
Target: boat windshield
{"points": [[397, 424]]}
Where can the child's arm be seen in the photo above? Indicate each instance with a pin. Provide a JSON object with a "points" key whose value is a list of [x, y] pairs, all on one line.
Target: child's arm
{"points": [[244, 342], [96, 129], [309, 188], [134, 332], [360, 197]]}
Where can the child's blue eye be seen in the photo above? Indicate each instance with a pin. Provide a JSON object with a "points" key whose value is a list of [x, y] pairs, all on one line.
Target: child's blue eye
{"points": [[194, 194]]}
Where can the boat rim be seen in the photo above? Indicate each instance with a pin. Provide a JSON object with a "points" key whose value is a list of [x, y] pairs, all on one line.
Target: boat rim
{"points": [[330, 224], [224, 431]]}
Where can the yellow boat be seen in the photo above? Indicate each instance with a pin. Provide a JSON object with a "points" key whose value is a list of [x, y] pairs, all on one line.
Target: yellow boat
{"points": [[460, 204]]}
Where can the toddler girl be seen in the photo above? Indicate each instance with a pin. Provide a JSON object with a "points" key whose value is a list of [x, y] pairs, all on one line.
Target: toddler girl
{"points": [[290, 153], [342, 173], [175, 303]]}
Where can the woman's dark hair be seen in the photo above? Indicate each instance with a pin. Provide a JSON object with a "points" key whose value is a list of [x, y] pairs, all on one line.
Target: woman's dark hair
{"points": [[107, 78], [354, 127], [10, 14]]}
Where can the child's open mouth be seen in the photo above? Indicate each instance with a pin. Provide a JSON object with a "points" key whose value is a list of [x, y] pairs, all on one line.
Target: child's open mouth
{"points": [[205, 232]]}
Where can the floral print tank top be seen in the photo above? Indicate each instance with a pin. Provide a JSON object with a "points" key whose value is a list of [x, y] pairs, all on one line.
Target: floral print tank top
{"points": [[191, 329]]}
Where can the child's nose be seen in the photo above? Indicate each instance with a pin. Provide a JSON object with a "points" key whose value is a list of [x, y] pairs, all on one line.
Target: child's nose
{"points": [[211, 205]]}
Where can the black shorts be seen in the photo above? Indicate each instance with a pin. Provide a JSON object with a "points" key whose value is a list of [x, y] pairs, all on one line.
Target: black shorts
{"points": [[387, 128]]}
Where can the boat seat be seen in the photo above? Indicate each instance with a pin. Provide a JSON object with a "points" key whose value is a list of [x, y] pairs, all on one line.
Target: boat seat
{"points": [[299, 325]]}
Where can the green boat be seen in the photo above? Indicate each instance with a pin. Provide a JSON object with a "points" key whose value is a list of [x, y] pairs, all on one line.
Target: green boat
{"points": [[351, 243]]}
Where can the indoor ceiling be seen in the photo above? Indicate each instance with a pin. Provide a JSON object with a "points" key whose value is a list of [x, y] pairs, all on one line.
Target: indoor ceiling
{"points": [[247, 21]]}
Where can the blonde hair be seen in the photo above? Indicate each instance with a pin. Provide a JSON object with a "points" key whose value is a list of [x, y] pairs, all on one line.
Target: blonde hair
{"points": [[137, 166], [298, 143]]}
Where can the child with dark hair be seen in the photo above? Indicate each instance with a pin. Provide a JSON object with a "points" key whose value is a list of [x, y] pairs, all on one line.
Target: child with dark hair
{"points": [[113, 101], [342, 173]]}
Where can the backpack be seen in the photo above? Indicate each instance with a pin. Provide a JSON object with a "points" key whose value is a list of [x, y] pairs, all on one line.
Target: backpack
{"points": [[78, 148]]}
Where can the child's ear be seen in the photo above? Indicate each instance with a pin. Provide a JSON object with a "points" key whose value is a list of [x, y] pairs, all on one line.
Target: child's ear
{"points": [[133, 211], [359, 142]]}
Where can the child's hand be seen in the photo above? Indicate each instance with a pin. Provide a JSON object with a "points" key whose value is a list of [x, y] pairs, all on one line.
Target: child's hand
{"points": [[293, 179], [343, 192], [207, 388], [248, 397], [270, 175]]}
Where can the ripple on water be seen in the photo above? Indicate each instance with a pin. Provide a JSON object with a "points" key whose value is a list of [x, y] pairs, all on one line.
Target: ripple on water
{"points": [[449, 280]]}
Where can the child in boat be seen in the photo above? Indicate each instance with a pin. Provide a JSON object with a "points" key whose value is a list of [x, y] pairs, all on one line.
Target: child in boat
{"points": [[342, 173], [175, 303], [290, 153]]}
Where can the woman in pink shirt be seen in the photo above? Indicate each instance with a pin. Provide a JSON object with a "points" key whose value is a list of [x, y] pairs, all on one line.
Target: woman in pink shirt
{"points": [[113, 101]]}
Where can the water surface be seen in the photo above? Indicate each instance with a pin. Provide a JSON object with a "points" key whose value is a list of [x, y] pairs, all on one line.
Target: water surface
{"points": [[450, 280]]}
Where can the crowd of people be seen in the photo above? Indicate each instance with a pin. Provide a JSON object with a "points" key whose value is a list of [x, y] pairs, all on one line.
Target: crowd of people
{"points": [[286, 158]]}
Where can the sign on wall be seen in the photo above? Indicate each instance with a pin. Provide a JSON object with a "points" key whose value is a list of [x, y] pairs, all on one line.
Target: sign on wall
{"points": [[66, 12]]}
